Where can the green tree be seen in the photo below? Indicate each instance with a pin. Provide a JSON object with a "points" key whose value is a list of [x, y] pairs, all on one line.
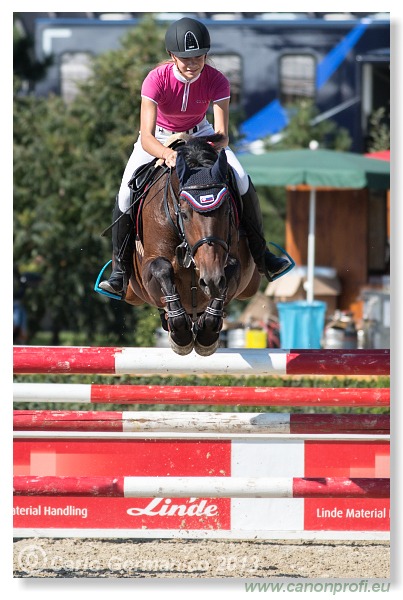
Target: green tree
{"points": [[379, 131], [302, 128], [68, 162]]}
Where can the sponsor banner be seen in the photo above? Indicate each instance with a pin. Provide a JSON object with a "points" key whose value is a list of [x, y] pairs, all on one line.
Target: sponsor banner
{"points": [[121, 513], [347, 459], [164, 458], [347, 514], [115, 457], [198, 458]]}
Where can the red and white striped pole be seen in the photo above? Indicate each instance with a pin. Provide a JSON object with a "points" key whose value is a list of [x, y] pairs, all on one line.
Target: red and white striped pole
{"points": [[203, 487], [196, 395], [162, 361], [198, 422]]}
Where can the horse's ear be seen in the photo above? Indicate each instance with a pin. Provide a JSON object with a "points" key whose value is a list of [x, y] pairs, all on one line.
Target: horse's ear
{"points": [[182, 169], [220, 169]]}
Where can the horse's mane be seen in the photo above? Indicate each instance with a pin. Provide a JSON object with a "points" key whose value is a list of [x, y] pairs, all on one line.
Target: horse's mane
{"points": [[200, 151]]}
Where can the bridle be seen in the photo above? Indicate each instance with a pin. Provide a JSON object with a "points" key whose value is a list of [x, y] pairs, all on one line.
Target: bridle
{"points": [[185, 252]]}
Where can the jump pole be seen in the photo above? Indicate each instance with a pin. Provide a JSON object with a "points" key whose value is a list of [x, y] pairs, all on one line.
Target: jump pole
{"points": [[162, 361], [199, 395], [203, 487], [198, 422]]}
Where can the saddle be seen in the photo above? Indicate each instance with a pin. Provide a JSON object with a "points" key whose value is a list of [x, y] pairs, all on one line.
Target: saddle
{"points": [[141, 176], [145, 174]]}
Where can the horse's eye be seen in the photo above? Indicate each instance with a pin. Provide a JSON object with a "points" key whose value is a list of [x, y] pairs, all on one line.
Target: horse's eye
{"points": [[184, 215]]}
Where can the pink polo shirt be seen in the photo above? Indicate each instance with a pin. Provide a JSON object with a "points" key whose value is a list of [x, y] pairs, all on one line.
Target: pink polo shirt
{"points": [[182, 104]]}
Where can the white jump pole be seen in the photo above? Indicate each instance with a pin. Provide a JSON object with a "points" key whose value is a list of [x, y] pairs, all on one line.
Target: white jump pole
{"points": [[311, 247]]}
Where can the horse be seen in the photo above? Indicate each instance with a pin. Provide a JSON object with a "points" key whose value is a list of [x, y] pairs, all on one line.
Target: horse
{"points": [[190, 258]]}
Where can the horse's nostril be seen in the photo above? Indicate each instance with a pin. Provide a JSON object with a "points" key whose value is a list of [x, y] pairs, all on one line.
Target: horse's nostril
{"points": [[214, 287]]}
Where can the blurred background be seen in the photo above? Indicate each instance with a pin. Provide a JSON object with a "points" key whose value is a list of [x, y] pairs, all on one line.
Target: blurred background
{"points": [[298, 80]]}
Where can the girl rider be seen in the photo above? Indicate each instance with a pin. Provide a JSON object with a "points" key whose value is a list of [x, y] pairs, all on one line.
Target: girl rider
{"points": [[175, 97]]}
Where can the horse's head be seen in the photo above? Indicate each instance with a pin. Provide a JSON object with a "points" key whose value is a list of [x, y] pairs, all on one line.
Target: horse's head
{"points": [[205, 212]]}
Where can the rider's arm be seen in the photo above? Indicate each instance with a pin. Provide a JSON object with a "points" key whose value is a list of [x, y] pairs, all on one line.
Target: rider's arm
{"points": [[221, 119], [148, 120]]}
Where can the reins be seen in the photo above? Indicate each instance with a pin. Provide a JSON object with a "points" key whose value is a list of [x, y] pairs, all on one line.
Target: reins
{"points": [[136, 200]]}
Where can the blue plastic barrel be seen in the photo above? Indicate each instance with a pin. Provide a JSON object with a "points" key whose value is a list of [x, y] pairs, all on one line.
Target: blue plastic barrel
{"points": [[301, 323]]}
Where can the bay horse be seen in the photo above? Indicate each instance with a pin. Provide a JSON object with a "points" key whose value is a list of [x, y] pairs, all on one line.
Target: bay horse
{"points": [[190, 258]]}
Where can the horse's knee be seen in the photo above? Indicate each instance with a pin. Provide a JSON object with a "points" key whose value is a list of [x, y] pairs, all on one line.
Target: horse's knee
{"points": [[161, 268], [158, 275]]}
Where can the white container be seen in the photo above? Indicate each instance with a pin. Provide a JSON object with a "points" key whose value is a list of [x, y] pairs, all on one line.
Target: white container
{"points": [[236, 338], [333, 338], [161, 338]]}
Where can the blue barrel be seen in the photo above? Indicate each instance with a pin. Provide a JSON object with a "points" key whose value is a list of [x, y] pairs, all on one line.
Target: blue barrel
{"points": [[301, 323]]}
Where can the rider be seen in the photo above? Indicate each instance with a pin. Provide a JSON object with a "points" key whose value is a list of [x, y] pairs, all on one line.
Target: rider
{"points": [[175, 97]]}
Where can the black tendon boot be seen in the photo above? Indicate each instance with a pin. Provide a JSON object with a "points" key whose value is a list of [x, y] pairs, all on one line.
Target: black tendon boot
{"points": [[123, 234], [267, 263]]}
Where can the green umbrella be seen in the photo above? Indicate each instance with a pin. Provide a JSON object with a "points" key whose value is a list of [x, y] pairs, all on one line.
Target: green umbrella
{"points": [[316, 169]]}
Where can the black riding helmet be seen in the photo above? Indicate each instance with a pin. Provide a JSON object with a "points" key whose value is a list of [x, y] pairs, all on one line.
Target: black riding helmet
{"points": [[186, 38]]}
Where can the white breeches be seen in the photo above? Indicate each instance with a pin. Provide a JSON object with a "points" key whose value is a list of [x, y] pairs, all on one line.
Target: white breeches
{"points": [[140, 157]]}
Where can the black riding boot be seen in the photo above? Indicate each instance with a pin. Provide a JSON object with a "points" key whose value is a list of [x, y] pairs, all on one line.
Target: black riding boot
{"points": [[267, 263], [123, 236]]}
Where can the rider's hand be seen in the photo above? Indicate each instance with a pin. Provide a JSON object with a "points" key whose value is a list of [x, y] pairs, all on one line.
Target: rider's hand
{"points": [[170, 159]]}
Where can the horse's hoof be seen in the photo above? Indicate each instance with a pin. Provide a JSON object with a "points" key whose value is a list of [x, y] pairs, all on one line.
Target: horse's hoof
{"points": [[182, 350], [205, 350]]}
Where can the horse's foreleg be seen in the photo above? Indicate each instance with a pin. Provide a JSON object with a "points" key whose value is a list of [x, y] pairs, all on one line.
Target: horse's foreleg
{"points": [[208, 328], [161, 279], [209, 325], [232, 273]]}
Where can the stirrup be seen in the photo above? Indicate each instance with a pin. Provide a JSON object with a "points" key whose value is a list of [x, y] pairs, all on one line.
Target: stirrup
{"points": [[288, 269], [100, 290]]}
